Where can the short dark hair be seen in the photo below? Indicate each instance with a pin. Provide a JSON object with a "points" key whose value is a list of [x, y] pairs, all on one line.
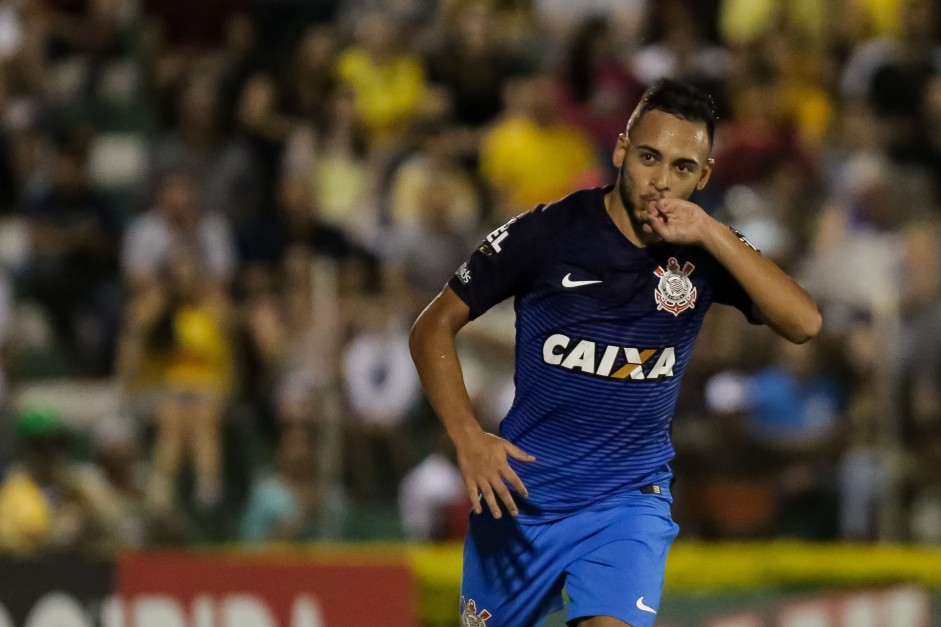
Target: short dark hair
{"points": [[679, 99]]}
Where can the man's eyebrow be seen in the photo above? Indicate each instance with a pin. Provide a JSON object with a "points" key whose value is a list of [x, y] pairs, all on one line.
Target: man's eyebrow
{"points": [[687, 161], [647, 148]]}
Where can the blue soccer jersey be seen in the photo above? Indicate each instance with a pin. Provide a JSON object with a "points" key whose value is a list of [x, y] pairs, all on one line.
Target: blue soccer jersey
{"points": [[604, 332]]}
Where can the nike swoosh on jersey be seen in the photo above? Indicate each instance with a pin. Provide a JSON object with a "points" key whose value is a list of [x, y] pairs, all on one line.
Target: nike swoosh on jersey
{"points": [[643, 607], [568, 282]]}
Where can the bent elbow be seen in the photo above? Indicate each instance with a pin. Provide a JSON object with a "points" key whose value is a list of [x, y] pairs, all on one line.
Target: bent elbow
{"points": [[807, 329], [417, 335]]}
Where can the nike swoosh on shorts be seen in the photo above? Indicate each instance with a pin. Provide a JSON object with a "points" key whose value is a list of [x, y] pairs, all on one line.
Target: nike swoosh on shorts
{"points": [[643, 607]]}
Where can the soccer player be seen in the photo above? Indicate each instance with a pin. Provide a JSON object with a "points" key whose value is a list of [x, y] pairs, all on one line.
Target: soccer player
{"points": [[610, 287]]}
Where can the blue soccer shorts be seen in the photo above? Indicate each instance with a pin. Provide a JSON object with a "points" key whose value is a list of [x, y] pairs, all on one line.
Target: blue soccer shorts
{"points": [[610, 559]]}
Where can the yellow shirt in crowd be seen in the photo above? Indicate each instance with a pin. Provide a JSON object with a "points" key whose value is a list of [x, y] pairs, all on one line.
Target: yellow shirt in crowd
{"points": [[531, 164], [387, 93]]}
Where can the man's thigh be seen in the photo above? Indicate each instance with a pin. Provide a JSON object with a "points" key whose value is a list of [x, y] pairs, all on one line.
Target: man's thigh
{"points": [[620, 575], [513, 573]]}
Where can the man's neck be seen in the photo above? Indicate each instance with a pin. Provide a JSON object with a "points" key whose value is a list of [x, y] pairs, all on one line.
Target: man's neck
{"points": [[619, 215]]}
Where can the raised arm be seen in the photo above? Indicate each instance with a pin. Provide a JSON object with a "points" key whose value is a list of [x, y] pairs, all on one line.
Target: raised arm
{"points": [[482, 457], [777, 299]]}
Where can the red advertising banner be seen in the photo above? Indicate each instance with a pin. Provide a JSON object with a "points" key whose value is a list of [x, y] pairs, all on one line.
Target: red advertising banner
{"points": [[186, 590]]}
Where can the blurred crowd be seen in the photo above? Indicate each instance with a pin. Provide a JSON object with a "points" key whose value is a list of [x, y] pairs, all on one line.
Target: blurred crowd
{"points": [[232, 212]]}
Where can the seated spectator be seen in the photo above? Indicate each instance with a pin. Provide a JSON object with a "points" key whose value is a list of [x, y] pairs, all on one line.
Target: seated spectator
{"points": [[433, 502], [293, 504], [43, 504], [793, 421], [114, 484]]}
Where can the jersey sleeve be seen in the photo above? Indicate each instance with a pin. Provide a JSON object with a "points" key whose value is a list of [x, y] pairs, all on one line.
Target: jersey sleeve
{"points": [[728, 291], [506, 263]]}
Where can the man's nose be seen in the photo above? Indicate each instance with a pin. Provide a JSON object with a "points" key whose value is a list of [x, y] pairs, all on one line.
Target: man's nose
{"points": [[659, 179]]}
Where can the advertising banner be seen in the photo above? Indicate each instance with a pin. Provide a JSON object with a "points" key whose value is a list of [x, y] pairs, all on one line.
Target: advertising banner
{"points": [[187, 590], [54, 591]]}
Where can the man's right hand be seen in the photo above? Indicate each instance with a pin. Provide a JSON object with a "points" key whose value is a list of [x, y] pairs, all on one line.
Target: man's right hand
{"points": [[482, 458]]}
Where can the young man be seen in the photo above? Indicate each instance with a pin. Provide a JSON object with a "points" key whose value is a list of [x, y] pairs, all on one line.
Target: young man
{"points": [[610, 286]]}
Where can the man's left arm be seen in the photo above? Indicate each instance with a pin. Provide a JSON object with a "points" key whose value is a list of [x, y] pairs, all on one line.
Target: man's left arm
{"points": [[777, 299]]}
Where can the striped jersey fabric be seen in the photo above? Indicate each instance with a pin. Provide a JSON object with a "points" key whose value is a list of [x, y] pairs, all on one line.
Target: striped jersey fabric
{"points": [[604, 332]]}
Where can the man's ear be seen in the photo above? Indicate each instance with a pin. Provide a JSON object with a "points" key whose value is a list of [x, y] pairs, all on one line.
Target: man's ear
{"points": [[706, 173], [620, 149]]}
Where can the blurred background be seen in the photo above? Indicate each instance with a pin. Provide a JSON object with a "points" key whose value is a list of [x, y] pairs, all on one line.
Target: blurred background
{"points": [[218, 220]]}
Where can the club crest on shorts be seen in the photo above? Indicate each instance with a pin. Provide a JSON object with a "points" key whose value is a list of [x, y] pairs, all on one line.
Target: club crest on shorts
{"points": [[675, 292], [470, 617]]}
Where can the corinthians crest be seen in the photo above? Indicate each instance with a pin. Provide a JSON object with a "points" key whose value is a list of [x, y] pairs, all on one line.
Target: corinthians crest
{"points": [[675, 292], [470, 617]]}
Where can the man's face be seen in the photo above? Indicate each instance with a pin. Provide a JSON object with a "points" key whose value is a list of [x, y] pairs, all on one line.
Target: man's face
{"points": [[662, 157]]}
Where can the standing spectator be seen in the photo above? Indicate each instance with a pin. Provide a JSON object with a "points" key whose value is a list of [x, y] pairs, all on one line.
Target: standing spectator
{"points": [[436, 158], [264, 128], [471, 61], [220, 165], [598, 86], [529, 156], [332, 158], [382, 390], [312, 77], [74, 235], [421, 251], [682, 53], [286, 344], [388, 82], [178, 332]]}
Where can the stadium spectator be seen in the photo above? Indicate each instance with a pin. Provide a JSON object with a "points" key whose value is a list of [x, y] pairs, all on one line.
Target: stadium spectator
{"points": [[793, 415], [220, 165], [598, 87], [293, 504], [529, 155], [433, 504], [114, 482], [470, 60], [382, 392], [176, 223], [388, 80], [177, 341], [421, 254], [74, 238], [43, 504], [332, 158]]}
